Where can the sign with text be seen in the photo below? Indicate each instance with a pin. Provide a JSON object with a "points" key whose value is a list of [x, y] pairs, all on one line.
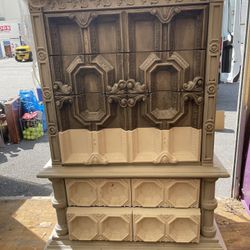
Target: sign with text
{"points": [[5, 28]]}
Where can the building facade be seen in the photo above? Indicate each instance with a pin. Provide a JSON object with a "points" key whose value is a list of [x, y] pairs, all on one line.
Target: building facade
{"points": [[10, 36]]}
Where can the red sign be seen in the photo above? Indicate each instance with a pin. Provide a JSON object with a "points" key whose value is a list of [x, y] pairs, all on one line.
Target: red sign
{"points": [[5, 28]]}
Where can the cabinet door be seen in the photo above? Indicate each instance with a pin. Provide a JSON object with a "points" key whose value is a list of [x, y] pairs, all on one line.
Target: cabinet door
{"points": [[130, 30], [129, 90]]}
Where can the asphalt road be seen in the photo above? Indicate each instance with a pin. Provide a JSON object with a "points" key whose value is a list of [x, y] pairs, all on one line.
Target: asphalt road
{"points": [[19, 164]]}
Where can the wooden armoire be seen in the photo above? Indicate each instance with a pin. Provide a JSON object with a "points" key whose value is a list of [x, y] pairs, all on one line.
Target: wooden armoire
{"points": [[130, 93]]}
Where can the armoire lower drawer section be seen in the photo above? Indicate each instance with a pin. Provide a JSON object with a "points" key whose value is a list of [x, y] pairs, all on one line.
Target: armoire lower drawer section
{"points": [[134, 224], [176, 193]]}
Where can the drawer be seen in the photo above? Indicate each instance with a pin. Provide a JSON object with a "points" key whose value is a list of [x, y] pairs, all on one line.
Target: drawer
{"points": [[134, 224], [166, 225], [110, 224], [99, 192], [176, 193]]}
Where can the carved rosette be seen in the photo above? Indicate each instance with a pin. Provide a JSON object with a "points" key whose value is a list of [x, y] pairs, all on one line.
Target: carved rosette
{"points": [[209, 126], [127, 93], [211, 88], [47, 94], [52, 129], [41, 55], [214, 47]]}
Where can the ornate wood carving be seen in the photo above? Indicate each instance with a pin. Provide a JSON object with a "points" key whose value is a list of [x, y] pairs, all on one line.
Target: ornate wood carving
{"points": [[165, 14], [195, 85], [127, 93], [62, 89], [212, 67], [60, 100], [83, 19], [62, 5]]}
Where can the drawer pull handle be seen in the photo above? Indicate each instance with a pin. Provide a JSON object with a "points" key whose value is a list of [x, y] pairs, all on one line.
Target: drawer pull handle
{"points": [[127, 93]]}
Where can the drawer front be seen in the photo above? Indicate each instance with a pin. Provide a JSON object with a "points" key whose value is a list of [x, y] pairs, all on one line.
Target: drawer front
{"points": [[100, 192], [145, 29], [165, 193], [166, 225], [109, 224], [176, 193], [133, 224]]}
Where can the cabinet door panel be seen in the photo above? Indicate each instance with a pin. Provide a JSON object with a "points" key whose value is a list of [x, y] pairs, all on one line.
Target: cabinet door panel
{"points": [[131, 30], [129, 90]]}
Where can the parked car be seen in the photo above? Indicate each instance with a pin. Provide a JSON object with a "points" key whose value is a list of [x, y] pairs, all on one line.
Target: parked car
{"points": [[23, 54]]}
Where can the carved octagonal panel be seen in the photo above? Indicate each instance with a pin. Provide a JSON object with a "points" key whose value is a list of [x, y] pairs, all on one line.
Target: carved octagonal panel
{"points": [[83, 228], [115, 193], [147, 193], [81, 192], [111, 224], [98, 192], [116, 228], [89, 81], [167, 81], [149, 229], [184, 230], [182, 193]]}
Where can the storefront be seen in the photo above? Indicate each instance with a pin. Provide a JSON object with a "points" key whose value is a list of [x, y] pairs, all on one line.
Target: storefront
{"points": [[10, 38]]}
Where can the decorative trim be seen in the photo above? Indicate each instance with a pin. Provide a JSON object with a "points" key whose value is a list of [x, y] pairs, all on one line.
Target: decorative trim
{"points": [[209, 126], [61, 88], [165, 14], [47, 94], [127, 93], [196, 84], [214, 46], [212, 68], [198, 98], [59, 202], [52, 129], [96, 158], [164, 158], [211, 88], [83, 19], [60, 100], [38, 3], [41, 55]]}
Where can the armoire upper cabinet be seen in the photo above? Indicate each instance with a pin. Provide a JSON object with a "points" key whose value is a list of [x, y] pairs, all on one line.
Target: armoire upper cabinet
{"points": [[130, 30]]}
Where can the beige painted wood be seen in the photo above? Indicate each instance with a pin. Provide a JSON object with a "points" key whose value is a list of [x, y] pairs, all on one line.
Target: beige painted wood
{"points": [[136, 171], [175, 193], [153, 74], [81, 146], [166, 225], [99, 192], [137, 224], [111, 224], [205, 244]]}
